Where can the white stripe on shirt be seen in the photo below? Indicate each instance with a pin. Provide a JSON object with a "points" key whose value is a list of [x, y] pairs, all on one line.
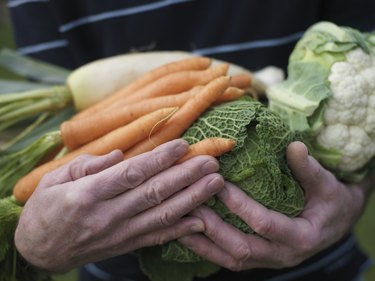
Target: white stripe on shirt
{"points": [[16, 3], [119, 13], [273, 42], [249, 45], [43, 47], [97, 272]]}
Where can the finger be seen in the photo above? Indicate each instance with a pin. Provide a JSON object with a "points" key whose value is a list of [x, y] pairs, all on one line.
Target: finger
{"points": [[134, 171], [163, 185], [267, 223], [307, 171], [207, 249], [81, 166], [175, 207], [247, 250], [185, 226]]}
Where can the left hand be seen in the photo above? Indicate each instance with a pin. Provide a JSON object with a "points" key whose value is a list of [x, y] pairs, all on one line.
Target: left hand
{"points": [[331, 210]]}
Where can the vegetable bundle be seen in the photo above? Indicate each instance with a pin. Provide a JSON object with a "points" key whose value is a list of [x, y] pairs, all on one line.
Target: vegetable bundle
{"points": [[331, 74], [156, 108], [55, 89]]}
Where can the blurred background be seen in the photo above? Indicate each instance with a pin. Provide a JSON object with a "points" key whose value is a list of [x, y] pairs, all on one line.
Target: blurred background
{"points": [[365, 228]]}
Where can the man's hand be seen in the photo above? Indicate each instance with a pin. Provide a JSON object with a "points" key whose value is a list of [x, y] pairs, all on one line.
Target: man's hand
{"points": [[99, 207], [331, 209]]}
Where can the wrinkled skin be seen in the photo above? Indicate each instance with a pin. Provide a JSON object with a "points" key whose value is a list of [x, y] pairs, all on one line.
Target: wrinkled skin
{"points": [[99, 207], [331, 210]]}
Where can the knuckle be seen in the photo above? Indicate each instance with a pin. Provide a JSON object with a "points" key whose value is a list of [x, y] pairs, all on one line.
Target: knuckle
{"points": [[153, 194], [79, 166], [243, 253], [263, 225], [159, 161], [132, 176], [195, 198], [76, 200], [166, 217], [187, 175]]}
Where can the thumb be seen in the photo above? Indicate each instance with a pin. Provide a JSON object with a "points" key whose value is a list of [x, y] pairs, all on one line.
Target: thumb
{"points": [[306, 169]]}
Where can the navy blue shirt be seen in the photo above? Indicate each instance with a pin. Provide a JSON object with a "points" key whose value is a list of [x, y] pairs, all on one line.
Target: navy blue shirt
{"points": [[251, 33], [247, 32]]}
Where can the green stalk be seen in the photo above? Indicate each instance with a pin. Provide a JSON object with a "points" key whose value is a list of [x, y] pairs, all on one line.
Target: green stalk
{"points": [[13, 106], [32, 109], [7, 124], [17, 107], [33, 69], [32, 94], [10, 86], [25, 132], [15, 165]]}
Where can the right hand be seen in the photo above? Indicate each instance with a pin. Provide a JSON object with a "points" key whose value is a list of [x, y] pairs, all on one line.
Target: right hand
{"points": [[98, 207]]}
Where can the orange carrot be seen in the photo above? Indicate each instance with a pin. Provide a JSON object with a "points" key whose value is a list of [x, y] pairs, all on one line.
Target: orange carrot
{"points": [[230, 94], [242, 81], [175, 83], [122, 138], [77, 132], [210, 146], [187, 114], [195, 63]]}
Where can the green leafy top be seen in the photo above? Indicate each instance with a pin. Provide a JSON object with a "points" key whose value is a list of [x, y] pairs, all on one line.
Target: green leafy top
{"points": [[300, 98]]}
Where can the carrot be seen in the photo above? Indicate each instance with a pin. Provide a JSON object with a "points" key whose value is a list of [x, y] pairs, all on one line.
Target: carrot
{"points": [[242, 81], [230, 94], [195, 63], [175, 83], [122, 138], [178, 99], [209, 146], [77, 132], [187, 114]]}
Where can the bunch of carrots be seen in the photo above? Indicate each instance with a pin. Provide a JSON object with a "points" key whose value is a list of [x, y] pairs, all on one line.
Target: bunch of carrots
{"points": [[156, 108]]}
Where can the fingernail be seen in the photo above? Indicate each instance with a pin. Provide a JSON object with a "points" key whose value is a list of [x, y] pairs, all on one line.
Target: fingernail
{"points": [[215, 184], [197, 226], [181, 149], [210, 167]]}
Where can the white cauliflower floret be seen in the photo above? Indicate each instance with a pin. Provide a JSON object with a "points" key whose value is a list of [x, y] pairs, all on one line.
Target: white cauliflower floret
{"points": [[355, 145], [350, 113], [369, 123], [346, 83]]}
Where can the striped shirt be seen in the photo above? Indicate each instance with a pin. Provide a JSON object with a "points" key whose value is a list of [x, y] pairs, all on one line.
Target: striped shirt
{"points": [[247, 32], [251, 33]]}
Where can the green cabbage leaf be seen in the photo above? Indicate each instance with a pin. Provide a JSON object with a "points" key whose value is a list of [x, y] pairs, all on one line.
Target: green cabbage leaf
{"points": [[257, 165]]}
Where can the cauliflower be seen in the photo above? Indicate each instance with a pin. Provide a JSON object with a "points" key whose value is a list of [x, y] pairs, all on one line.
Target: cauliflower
{"points": [[330, 95]]}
